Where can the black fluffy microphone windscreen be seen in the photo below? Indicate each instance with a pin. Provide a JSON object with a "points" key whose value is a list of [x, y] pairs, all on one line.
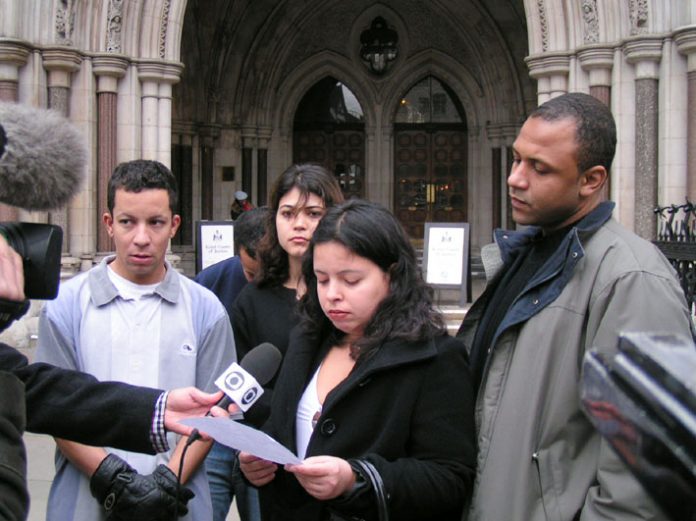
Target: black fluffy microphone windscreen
{"points": [[42, 162]]}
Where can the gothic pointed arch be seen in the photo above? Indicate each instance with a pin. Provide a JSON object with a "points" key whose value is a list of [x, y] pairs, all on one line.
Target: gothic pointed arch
{"points": [[348, 142], [152, 28], [309, 73], [329, 129], [467, 88], [160, 26], [267, 56]]}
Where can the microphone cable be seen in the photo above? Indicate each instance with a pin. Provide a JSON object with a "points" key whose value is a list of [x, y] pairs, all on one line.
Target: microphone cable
{"points": [[194, 436]]}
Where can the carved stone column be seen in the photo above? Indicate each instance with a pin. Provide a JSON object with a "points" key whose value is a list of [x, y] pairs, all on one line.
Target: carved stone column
{"points": [[645, 54], [172, 75], [380, 183], [494, 133], [108, 68], [685, 38], [149, 114], [598, 61], [61, 62], [13, 56], [248, 145], [157, 78], [208, 134], [551, 72], [262, 167]]}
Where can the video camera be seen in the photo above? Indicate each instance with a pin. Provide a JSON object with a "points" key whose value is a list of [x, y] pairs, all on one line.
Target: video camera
{"points": [[42, 165], [39, 245], [643, 402]]}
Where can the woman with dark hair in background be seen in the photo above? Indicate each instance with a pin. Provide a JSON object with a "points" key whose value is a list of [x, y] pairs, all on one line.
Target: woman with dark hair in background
{"points": [[372, 392], [266, 309]]}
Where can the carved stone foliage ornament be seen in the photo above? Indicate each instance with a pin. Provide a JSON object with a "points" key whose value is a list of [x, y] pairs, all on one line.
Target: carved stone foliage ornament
{"points": [[379, 46], [639, 16], [589, 14], [164, 22], [114, 26], [65, 21], [544, 25]]}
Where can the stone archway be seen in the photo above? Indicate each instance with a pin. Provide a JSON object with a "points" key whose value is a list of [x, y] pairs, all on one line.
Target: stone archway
{"points": [[329, 129], [295, 87]]}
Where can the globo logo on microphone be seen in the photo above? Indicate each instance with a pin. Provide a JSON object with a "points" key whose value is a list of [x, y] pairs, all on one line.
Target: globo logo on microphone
{"points": [[234, 380], [250, 396], [240, 386]]}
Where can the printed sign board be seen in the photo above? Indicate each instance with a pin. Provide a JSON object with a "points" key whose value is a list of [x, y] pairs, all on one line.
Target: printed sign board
{"points": [[446, 255], [214, 242]]}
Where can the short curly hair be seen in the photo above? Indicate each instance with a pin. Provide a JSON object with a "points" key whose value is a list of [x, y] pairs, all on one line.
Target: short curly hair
{"points": [[142, 174], [595, 130]]}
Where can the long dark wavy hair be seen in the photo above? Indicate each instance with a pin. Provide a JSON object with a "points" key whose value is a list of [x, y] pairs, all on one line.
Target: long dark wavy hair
{"points": [[309, 178], [372, 232]]}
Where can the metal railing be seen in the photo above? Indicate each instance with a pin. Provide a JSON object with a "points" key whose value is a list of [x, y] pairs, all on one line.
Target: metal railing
{"points": [[676, 239]]}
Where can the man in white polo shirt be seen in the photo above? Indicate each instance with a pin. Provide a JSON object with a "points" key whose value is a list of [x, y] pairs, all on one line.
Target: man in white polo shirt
{"points": [[133, 318]]}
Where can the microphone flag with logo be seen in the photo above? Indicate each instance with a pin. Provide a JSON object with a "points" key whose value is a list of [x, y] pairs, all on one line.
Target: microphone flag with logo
{"points": [[243, 384]]}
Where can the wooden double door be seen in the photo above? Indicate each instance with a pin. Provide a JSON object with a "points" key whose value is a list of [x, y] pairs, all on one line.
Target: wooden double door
{"points": [[430, 177], [340, 151]]}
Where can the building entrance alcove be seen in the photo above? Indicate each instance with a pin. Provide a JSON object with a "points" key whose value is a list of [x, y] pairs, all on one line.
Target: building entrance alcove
{"points": [[430, 162], [329, 129]]}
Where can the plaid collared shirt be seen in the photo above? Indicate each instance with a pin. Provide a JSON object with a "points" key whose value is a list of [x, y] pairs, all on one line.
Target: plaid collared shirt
{"points": [[158, 434]]}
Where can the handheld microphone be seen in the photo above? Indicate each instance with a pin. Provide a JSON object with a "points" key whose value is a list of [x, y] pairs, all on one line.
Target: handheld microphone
{"points": [[42, 158], [243, 383]]}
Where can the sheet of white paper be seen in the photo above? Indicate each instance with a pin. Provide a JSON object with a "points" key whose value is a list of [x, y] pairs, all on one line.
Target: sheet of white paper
{"points": [[244, 438]]}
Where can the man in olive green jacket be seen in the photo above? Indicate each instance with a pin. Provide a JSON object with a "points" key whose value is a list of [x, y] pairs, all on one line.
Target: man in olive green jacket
{"points": [[572, 281]]}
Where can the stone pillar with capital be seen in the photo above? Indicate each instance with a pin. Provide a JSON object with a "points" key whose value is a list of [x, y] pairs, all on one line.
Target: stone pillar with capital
{"points": [[598, 61], [108, 68], [262, 166], [501, 136], [380, 182], [645, 54], [149, 117], [249, 139], [13, 56], [157, 78], [60, 63], [685, 38], [208, 134], [551, 72], [494, 133]]}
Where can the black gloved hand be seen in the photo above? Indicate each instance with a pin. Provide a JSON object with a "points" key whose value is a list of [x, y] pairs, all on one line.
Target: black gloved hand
{"points": [[10, 311], [127, 495]]}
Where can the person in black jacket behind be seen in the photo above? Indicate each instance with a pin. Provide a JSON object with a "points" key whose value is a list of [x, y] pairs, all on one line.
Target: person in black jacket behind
{"points": [[373, 394]]}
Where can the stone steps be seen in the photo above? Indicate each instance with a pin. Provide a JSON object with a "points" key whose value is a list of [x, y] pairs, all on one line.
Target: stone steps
{"points": [[446, 300], [453, 317]]}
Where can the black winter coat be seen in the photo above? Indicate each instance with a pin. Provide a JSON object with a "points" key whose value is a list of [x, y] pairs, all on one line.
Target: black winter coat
{"points": [[76, 406], [14, 497], [66, 404], [408, 409]]}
